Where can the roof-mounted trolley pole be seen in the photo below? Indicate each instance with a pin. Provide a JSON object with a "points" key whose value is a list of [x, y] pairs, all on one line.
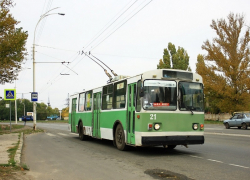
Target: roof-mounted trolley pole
{"points": [[106, 72], [104, 64]]}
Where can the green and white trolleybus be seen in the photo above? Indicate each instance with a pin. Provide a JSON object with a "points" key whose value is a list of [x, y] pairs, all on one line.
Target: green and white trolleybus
{"points": [[158, 107]]}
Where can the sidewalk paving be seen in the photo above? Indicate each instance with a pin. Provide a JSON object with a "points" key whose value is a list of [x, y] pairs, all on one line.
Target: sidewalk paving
{"points": [[8, 141]]}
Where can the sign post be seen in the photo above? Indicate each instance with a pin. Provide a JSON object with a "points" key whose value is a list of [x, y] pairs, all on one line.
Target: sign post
{"points": [[10, 94], [34, 98]]}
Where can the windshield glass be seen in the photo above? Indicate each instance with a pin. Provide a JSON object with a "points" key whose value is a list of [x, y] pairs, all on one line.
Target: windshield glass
{"points": [[159, 95], [248, 115], [190, 96]]}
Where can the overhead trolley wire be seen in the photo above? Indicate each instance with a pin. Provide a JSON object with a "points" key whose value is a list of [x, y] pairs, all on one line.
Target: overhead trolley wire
{"points": [[40, 30], [121, 25], [102, 31]]}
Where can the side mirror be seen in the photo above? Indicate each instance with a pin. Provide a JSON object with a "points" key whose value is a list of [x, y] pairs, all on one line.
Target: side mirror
{"points": [[141, 94]]}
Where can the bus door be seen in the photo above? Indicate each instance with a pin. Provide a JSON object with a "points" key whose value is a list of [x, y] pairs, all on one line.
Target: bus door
{"points": [[73, 115], [96, 115], [131, 113]]}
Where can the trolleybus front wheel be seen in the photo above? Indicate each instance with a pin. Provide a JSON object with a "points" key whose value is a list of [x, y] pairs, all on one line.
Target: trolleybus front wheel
{"points": [[80, 130], [120, 138]]}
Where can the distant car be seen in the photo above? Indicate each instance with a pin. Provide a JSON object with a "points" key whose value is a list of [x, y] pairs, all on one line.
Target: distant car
{"points": [[28, 118], [238, 120], [52, 117]]}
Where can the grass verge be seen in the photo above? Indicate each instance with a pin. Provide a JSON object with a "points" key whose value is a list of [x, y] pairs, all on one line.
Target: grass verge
{"points": [[10, 170]]}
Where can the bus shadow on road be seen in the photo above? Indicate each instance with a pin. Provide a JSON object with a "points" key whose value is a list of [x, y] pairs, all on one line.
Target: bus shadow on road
{"points": [[143, 151], [160, 151]]}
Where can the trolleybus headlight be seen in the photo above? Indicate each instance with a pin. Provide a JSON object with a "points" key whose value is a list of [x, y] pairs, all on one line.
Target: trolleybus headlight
{"points": [[195, 126], [157, 126]]}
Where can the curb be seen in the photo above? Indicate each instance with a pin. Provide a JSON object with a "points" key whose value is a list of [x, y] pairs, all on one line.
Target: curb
{"points": [[17, 157]]}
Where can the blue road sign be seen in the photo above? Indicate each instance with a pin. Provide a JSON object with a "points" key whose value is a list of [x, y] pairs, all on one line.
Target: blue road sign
{"points": [[34, 96], [9, 94]]}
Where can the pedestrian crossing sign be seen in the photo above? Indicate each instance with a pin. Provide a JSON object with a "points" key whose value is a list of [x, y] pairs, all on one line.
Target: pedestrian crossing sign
{"points": [[10, 94]]}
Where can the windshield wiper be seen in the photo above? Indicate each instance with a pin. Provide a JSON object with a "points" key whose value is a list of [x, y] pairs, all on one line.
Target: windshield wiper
{"points": [[191, 108]]}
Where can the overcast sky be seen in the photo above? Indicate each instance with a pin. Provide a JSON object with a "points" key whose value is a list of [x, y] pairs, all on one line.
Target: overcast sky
{"points": [[127, 35]]}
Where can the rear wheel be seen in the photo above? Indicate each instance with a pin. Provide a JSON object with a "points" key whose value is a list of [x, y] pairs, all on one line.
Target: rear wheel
{"points": [[80, 130], [227, 126], [244, 126], [120, 138], [239, 127]]}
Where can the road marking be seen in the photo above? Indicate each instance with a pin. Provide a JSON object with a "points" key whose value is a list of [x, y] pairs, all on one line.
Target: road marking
{"points": [[223, 134], [49, 134], [196, 157], [214, 160], [74, 134], [62, 134], [239, 166]]}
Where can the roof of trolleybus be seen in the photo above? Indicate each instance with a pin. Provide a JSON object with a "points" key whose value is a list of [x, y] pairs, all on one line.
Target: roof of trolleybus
{"points": [[152, 74]]}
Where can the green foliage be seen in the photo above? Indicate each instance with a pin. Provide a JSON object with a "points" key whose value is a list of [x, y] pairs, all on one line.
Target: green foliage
{"points": [[12, 46], [173, 59], [24, 106], [225, 67]]}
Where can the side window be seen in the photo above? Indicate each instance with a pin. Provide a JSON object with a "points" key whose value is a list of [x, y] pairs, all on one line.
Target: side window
{"points": [[88, 102], [74, 105], [134, 94], [107, 97], [81, 102], [120, 95], [235, 117], [138, 98]]}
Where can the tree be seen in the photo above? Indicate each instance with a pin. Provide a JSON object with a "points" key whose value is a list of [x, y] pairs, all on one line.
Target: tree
{"points": [[65, 112], [12, 44], [225, 68], [173, 59]]}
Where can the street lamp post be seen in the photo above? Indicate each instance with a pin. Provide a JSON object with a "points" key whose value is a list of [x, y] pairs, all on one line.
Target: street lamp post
{"points": [[34, 87]]}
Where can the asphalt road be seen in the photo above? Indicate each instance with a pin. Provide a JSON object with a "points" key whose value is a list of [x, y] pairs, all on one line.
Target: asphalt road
{"points": [[59, 154]]}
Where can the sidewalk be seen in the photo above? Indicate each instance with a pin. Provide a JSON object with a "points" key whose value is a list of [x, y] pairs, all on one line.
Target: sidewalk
{"points": [[8, 141]]}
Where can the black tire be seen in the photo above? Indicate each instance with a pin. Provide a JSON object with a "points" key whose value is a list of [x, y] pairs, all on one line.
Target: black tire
{"points": [[239, 127], [227, 126], [80, 130], [120, 138], [244, 126]]}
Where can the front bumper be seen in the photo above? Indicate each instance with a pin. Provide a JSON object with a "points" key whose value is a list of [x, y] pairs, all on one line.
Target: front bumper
{"points": [[172, 140]]}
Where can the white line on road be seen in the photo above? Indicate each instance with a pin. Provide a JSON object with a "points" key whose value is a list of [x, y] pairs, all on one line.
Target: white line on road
{"points": [[49, 134], [239, 166], [214, 160], [74, 134], [223, 134], [196, 157], [62, 134]]}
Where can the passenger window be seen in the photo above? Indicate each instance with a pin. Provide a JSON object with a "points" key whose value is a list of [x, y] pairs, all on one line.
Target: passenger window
{"points": [[138, 98], [81, 102], [88, 102], [107, 97], [120, 95]]}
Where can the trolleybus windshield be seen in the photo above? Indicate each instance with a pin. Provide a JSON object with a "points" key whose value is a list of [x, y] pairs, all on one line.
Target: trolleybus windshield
{"points": [[190, 96], [160, 95]]}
